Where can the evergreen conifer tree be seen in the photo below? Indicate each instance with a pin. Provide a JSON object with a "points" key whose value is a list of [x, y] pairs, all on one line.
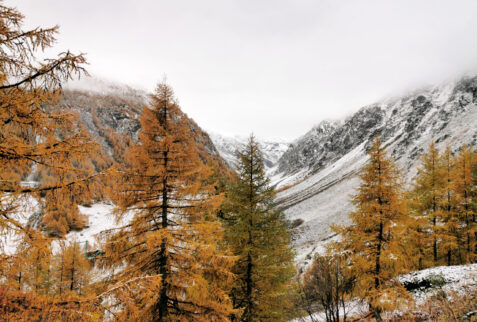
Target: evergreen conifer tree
{"points": [[258, 235]]}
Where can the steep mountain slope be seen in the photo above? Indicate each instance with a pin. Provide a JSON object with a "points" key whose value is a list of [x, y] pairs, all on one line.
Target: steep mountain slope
{"points": [[228, 147], [302, 152], [322, 166], [110, 112]]}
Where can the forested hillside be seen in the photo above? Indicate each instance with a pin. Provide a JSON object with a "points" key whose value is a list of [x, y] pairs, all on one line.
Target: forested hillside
{"points": [[112, 117], [117, 206]]}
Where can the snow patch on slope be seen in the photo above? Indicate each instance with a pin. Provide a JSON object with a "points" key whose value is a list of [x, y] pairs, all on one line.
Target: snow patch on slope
{"points": [[26, 206], [101, 219], [459, 278]]}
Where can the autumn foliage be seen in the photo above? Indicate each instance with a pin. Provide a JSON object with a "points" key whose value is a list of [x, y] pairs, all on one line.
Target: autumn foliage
{"points": [[175, 265], [394, 231], [372, 242], [34, 137], [194, 241]]}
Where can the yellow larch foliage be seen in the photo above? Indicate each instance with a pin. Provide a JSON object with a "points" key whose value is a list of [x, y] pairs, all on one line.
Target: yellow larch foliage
{"points": [[372, 242], [465, 210], [447, 231], [72, 270], [36, 139], [33, 135], [173, 266], [427, 198]]}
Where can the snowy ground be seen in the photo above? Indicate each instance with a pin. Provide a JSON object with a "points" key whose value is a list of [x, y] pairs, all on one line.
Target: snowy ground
{"points": [[101, 218], [322, 200], [25, 207], [457, 279], [353, 308]]}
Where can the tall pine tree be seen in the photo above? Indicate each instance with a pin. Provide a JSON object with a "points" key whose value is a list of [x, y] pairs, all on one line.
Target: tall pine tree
{"points": [[428, 195], [372, 241], [258, 235], [173, 266], [464, 209]]}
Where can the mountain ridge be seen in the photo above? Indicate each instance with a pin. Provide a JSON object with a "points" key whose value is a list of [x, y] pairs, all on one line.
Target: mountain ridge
{"points": [[111, 115], [320, 168]]}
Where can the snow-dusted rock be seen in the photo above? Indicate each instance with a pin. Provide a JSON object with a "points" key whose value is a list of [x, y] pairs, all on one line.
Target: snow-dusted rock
{"points": [[425, 283], [322, 166], [228, 148]]}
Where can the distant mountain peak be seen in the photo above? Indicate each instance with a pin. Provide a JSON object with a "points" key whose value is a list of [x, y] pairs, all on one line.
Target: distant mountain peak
{"points": [[104, 87], [228, 147]]}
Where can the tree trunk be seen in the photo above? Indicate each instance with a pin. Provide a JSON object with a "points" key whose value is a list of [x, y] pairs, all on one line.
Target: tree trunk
{"points": [[378, 256], [249, 289], [163, 299]]}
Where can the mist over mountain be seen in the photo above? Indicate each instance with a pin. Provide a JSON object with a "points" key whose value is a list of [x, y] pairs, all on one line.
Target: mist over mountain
{"points": [[110, 112], [321, 167]]}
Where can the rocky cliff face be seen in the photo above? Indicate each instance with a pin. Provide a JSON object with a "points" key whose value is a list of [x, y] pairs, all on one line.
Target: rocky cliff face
{"points": [[322, 166], [302, 152]]}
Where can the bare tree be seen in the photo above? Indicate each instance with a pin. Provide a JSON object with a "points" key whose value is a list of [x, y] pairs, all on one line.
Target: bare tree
{"points": [[327, 285]]}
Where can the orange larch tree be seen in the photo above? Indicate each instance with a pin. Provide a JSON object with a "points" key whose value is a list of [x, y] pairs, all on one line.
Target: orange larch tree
{"points": [[35, 137], [448, 230], [372, 242], [464, 209], [427, 197], [171, 260], [32, 133]]}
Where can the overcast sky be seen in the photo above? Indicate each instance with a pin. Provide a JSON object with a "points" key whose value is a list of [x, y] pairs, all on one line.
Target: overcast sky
{"points": [[272, 67]]}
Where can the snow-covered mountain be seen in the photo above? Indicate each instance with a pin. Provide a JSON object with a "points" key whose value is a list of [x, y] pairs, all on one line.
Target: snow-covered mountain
{"points": [[303, 151], [228, 148], [321, 167], [110, 112], [101, 86]]}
